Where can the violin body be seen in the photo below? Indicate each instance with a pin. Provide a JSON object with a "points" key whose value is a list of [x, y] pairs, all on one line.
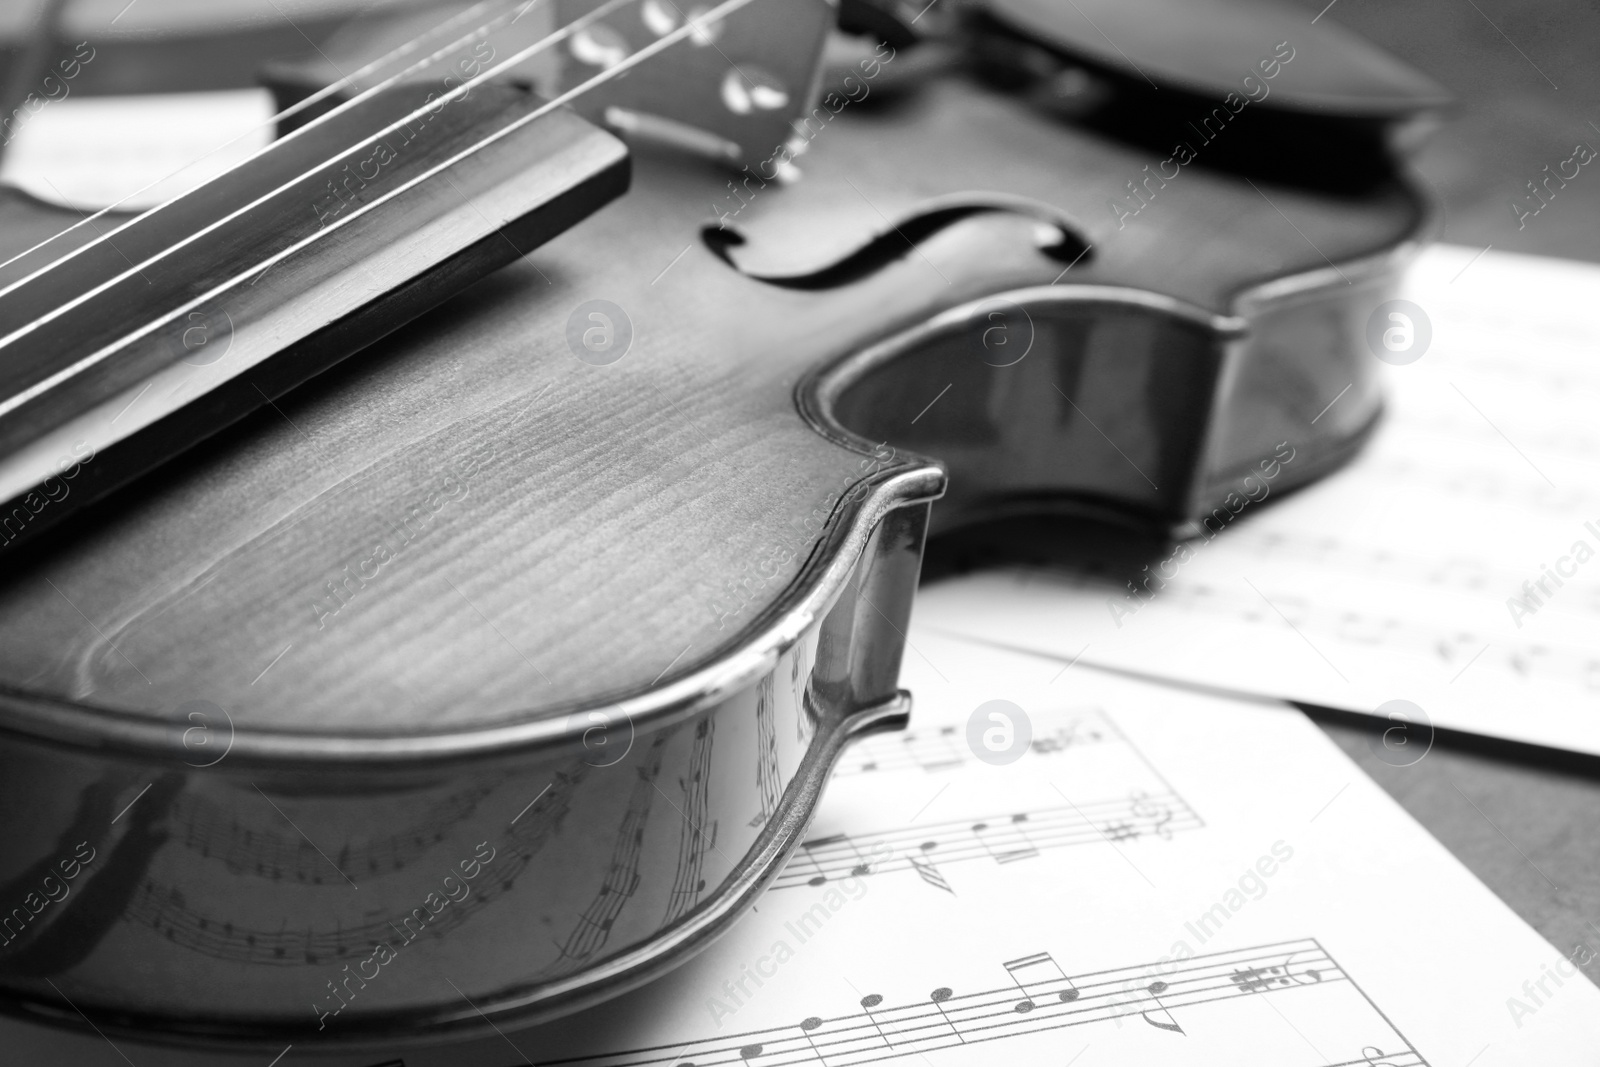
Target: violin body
{"points": [[500, 667]]}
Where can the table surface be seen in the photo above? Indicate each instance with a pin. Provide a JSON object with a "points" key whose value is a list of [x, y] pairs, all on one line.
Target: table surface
{"points": [[1530, 832]]}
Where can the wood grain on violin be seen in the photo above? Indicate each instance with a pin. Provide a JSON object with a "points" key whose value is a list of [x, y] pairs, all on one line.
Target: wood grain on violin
{"points": [[610, 555]]}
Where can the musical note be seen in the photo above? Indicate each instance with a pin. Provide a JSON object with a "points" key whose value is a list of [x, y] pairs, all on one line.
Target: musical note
{"points": [[807, 850], [942, 751], [1038, 970], [1002, 839], [1155, 989], [1040, 997], [179, 918], [1359, 628], [268, 854], [806, 1026], [1013, 850], [930, 874], [939, 996], [868, 1002], [1308, 976], [860, 867], [1065, 738], [948, 755], [1027, 849]]}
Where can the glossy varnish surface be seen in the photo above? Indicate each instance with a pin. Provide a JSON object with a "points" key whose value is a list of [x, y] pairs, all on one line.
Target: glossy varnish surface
{"points": [[555, 533]]}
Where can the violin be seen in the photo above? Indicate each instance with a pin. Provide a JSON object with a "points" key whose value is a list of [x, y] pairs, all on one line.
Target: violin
{"points": [[471, 637]]}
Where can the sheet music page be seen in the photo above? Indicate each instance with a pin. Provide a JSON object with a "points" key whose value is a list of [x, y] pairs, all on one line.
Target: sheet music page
{"points": [[1453, 565], [1155, 877]]}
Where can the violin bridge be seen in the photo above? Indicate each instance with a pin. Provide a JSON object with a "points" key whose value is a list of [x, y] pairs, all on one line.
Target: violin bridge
{"points": [[733, 91], [733, 87]]}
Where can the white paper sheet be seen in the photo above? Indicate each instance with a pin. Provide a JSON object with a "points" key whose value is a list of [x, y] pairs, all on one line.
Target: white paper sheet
{"points": [[1394, 579], [134, 151], [1160, 877], [1169, 878]]}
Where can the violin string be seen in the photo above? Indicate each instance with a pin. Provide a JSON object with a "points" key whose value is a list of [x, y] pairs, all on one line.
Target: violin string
{"points": [[461, 90], [343, 82], [693, 26], [434, 106]]}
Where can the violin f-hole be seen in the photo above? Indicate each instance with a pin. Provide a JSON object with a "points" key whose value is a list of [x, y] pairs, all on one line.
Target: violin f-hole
{"points": [[1058, 236]]}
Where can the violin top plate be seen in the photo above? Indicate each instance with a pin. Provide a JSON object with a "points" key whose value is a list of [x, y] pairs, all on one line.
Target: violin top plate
{"points": [[467, 525]]}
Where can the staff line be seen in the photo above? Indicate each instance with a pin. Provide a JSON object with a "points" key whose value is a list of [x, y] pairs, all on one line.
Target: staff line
{"points": [[1196, 970]]}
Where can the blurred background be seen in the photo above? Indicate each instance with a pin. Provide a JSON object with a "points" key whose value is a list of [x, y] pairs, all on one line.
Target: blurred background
{"points": [[1523, 74]]}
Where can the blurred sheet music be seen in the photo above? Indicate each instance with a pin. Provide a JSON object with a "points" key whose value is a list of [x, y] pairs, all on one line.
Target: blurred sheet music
{"points": [[90, 152], [1292, 928], [1485, 613]]}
